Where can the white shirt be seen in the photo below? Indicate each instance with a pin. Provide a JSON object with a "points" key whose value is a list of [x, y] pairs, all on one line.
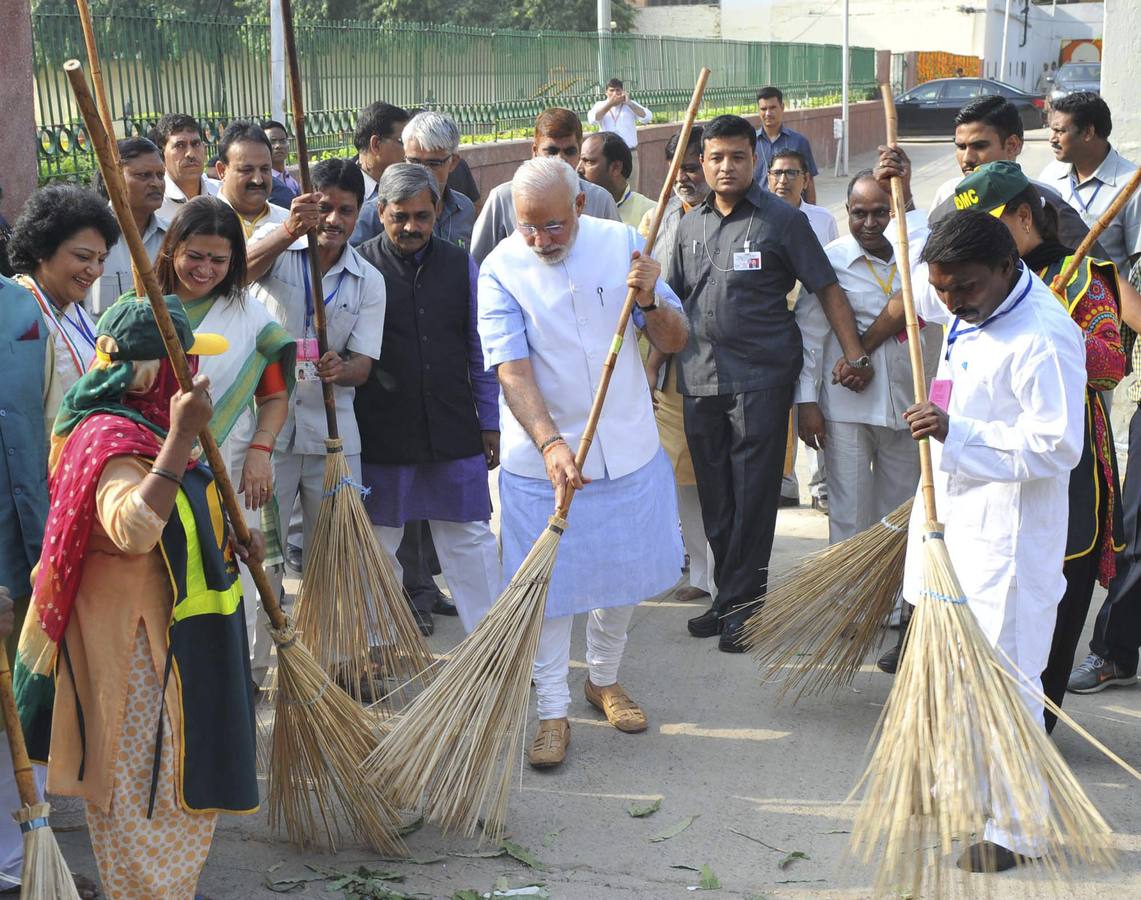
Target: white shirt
{"points": [[823, 222], [354, 310], [1092, 197], [620, 119], [116, 278], [868, 282], [562, 317], [1017, 420], [175, 198]]}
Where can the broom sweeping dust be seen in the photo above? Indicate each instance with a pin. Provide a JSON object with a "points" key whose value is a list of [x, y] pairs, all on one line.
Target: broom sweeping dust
{"points": [[454, 747], [350, 596], [956, 742], [320, 734]]}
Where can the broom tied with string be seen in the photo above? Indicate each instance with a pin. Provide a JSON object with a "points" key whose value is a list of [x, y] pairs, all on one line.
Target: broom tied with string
{"points": [[349, 589], [957, 744], [45, 875], [454, 748], [820, 621], [320, 734]]}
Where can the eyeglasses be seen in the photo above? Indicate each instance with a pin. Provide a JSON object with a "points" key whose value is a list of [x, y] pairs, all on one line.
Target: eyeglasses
{"points": [[554, 229], [778, 174], [432, 164]]}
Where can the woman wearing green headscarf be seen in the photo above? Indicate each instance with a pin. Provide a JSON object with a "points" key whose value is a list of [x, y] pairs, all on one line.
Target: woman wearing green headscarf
{"points": [[133, 664]]}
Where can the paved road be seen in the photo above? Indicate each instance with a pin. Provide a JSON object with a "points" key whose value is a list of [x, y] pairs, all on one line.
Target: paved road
{"points": [[719, 748]]}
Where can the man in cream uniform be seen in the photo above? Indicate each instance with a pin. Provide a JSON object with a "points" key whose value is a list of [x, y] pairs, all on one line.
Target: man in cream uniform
{"points": [[1012, 379], [549, 299], [873, 463]]}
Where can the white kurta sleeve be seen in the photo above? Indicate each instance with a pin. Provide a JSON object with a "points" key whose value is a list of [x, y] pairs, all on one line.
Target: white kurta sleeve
{"points": [[814, 330], [1043, 440]]}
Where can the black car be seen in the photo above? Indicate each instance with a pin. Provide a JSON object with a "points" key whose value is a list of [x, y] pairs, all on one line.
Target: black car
{"points": [[931, 107]]}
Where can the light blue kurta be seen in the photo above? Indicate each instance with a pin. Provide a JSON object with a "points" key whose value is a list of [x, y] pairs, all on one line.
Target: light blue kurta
{"points": [[622, 544]]}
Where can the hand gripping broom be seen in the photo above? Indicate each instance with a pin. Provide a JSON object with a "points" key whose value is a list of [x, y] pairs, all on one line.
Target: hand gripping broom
{"points": [[46, 875], [455, 745], [349, 589], [320, 734], [957, 744]]}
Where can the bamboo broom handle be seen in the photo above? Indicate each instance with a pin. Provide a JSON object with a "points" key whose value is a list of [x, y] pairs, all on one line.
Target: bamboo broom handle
{"points": [[113, 178], [903, 264], [628, 306], [316, 286], [97, 73], [21, 765], [1063, 278]]}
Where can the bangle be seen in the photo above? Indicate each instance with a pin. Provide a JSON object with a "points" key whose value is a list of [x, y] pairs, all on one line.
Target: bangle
{"points": [[553, 439], [272, 436], [264, 447], [167, 474]]}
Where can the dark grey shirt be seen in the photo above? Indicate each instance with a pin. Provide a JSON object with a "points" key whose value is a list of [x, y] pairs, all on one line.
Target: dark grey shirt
{"points": [[743, 336]]}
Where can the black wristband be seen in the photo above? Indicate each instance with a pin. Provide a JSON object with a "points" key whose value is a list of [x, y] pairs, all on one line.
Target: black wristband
{"points": [[554, 439]]}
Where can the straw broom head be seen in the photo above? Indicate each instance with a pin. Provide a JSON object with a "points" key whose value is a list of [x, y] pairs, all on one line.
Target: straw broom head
{"points": [[320, 735], [455, 746], [958, 746], [46, 875], [350, 596], [820, 622]]}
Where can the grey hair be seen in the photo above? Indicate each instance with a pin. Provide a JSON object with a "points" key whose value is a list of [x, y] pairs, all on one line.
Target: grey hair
{"points": [[433, 131], [543, 175], [402, 181]]}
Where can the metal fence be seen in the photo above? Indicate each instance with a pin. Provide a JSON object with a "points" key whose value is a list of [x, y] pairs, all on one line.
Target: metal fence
{"points": [[218, 69]]}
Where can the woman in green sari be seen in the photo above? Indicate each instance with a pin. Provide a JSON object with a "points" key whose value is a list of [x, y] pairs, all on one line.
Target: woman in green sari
{"points": [[203, 261]]}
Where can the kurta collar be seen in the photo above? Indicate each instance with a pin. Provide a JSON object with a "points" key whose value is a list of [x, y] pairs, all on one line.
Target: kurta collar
{"points": [[1017, 294]]}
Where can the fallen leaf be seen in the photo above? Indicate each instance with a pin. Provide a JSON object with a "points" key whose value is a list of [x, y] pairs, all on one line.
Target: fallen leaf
{"points": [[483, 854], [640, 812], [410, 827], [522, 854], [551, 836], [684, 866], [467, 894], [757, 840], [709, 881], [791, 858], [674, 830]]}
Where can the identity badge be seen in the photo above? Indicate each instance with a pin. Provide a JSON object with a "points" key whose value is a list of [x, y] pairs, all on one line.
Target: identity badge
{"points": [[307, 356], [750, 259]]}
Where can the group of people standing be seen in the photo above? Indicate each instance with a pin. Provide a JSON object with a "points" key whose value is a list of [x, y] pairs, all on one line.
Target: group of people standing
{"points": [[467, 334]]}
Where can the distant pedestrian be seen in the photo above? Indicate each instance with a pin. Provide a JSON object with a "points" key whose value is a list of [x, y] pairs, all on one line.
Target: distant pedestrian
{"points": [[772, 136], [285, 186], [620, 114]]}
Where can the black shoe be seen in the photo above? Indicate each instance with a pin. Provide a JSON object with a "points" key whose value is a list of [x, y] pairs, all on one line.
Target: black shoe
{"points": [[708, 624], [424, 621], [733, 635], [788, 502], [889, 662], [443, 606], [986, 856], [293, 557]]}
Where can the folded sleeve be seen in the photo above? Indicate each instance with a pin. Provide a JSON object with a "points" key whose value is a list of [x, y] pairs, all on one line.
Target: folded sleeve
{"points": [[368, 331], [502, 327], [130, 523]]}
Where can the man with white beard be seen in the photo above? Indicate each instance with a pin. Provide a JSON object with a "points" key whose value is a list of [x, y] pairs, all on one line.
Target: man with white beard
{"points": [[549, 299]]}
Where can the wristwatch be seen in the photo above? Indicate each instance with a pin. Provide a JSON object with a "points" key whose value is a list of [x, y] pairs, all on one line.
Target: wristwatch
{"points": [[649, 308], [863, 362]]}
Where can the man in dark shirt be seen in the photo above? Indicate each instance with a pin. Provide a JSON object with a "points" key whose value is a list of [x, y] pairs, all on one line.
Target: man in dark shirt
{"points": [[773, 136], [738, 255]]}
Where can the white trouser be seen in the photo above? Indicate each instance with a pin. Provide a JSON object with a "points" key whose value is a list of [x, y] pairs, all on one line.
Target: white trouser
{"points": [[817, 475], [871, 471], [469, 561], [605, 641], [693, 536], [11, 838]]}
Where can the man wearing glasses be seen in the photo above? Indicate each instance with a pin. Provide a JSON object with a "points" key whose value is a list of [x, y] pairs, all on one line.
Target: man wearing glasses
{"points": [[549, 300]]}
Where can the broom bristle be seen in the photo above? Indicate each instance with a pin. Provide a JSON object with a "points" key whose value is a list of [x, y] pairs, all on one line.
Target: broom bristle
{"points": [[320, 735], [351, 598], [958, 745], [46, 875], [822, 619], [455, 746]]}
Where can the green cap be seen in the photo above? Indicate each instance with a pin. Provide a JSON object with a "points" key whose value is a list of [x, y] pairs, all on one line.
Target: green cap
{"points": [[131, 323], [990, 187]]}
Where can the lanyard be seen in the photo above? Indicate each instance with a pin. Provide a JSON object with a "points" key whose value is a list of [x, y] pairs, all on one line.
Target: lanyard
{"points": [[48, 307], [1074, 194], [954, 334], [887, 287], [309, 292]]}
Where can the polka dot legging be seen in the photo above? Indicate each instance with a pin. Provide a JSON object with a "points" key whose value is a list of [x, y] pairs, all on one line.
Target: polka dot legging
{"points": [[140, 858]]}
